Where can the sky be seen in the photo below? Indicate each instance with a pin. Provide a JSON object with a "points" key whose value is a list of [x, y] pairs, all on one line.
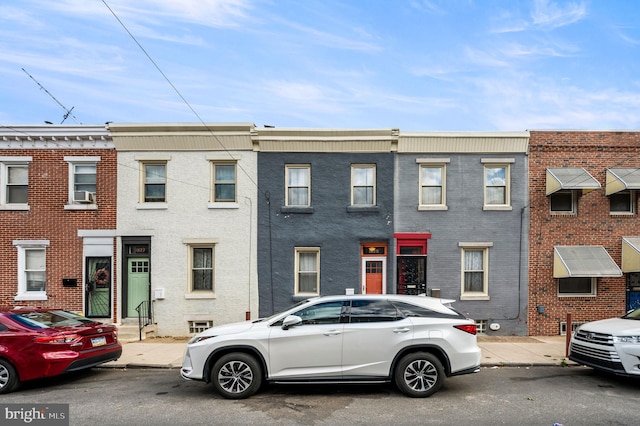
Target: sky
{"points": [[416, 65]]}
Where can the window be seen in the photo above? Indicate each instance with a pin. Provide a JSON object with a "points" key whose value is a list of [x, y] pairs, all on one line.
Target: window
{"points": [[32, 271], [322, 313], [432, 185], [298, 185], [224, 182], [199, 326], [475, 271], [155, 182], [622, 202], [577, 286], [14, 182], [496, 185], [373, 311], [563, 202], [201, 268], [363, 185], [82, 180], [307, 266]]}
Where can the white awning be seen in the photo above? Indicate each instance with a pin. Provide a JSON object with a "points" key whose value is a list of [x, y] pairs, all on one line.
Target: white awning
{"points": [[630, 254], [621, 179], [583, 261], [570, 178]]}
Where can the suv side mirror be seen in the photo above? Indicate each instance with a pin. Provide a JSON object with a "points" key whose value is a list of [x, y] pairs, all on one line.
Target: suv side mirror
{"points": [[290, 321]]}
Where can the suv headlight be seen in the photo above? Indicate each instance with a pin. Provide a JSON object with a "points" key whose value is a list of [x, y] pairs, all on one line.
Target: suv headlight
{"points": [[196, 339], [626, 339]]}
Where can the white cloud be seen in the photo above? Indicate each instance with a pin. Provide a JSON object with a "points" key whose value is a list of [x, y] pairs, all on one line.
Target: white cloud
{"points": [[550, 14]]}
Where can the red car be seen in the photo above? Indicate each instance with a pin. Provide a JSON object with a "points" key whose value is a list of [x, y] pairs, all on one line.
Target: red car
{"points": [[36, 343]]}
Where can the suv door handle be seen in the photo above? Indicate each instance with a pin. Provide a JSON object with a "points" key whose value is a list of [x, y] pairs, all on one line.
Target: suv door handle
{"points": [[402, 330], [332, 333]]}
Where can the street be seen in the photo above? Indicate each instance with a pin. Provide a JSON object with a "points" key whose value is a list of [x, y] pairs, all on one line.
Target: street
{"points": [[526, 396]]}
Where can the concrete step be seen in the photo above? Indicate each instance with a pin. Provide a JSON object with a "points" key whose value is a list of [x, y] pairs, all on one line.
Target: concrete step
{"points": [[130, 332]]}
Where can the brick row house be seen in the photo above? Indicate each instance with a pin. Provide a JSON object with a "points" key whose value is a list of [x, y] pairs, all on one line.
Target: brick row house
{"points": [[58, 218], [584, 257], [201, 224]]}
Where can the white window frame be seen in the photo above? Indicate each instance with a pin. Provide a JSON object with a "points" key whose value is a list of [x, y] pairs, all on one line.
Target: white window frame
{"points": [[288, 168], [298, 252], [432, 163], [574, 202], [6, 162], [143, 181], [484, 248], [23, 246], [72, 204], [632, 202], [190, 244], [497, 163], [214, 182], [592, 293], [355, 167]]}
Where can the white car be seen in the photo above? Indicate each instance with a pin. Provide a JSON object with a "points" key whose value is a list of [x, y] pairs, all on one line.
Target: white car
{"points": [[414, 341], [611, 345]]}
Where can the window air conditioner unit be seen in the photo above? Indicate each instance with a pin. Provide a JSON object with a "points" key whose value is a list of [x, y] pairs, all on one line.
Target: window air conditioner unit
{"points": [[83, 197]]}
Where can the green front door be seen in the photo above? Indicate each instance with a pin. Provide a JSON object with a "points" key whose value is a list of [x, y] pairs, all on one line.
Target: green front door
{"points": [[138, 284]]}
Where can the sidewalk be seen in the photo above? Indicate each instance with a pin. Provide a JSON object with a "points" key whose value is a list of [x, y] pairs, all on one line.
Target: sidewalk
{"points": [[496, 351]]}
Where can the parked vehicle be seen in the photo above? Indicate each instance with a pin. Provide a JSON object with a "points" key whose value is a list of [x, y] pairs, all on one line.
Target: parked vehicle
{"points": [[611, 345], [37, 343], [412, 341]]}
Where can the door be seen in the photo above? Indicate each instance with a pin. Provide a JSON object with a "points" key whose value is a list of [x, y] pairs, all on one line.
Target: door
{"points": [[137, 284], [633, 291], [312, 348], [375, 275]]}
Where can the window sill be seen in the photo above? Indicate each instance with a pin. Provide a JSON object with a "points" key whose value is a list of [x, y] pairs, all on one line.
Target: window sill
{"points": [[576, 295], [35, 296], [223, 206], [472, 297], [435, 207], [497, 208], [152, 206], [19, 207], [81, 207], [291, 209], [622, 213], [363, 209], [200, 295], [563, 213]]}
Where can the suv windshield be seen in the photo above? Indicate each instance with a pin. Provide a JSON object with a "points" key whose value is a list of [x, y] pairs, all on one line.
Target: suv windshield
{"points": [[634, 315]]}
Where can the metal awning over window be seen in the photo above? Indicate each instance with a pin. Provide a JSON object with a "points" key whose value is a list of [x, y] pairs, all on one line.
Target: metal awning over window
{"points": [[630, 254], [570, 178], [583, 261], [621, 179]]}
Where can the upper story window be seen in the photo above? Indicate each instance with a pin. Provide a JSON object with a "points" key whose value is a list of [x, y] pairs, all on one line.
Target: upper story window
{"points": [[475, 271], [563, 202], [224, 182], [622, 202], [14, 182], [298, 179], [82, 181], [363, 185], [307, 266], [497, 184], [432, 185], [154, 182], [32, 272]]}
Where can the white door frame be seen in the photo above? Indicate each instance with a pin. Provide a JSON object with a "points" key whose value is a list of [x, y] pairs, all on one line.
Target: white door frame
{"points": [[363, 285]]}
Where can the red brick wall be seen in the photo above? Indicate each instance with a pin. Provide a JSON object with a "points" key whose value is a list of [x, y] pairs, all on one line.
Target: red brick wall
{"points": [[48, 220], [593, 225]]}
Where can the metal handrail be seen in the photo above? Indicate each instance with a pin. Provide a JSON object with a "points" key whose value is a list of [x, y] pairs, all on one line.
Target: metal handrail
{"points": [[145, 316]]}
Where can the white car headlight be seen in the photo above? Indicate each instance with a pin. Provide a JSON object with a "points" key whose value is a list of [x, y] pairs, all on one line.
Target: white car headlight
{"points": [[196, 339], [626, 339]]}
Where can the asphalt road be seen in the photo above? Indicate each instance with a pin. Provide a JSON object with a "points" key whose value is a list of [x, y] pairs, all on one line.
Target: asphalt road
{"points": [[495, 396]]}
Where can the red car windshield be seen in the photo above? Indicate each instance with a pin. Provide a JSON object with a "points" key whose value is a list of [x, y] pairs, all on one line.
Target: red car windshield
{"points": [[46, 319]]}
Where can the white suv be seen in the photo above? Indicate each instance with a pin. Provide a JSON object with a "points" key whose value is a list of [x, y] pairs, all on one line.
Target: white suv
{"points": [[414, 341], [611, 345]]}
